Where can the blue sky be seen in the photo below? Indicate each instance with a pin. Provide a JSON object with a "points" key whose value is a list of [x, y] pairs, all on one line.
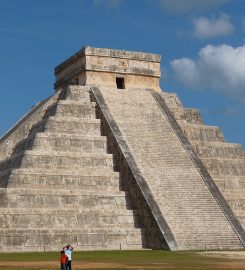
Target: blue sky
{"points": [[201, 43]]}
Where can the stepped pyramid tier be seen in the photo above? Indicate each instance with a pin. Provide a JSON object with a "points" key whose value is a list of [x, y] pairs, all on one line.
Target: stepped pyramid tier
{"points": [[112, 162], [59, 185], [224, 161]]}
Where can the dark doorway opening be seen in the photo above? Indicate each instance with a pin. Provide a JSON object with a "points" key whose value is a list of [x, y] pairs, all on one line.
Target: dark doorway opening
{"points": [[120, 83]]}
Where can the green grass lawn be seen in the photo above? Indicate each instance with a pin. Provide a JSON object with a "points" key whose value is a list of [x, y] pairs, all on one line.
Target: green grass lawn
{"points": [[120, 260]]}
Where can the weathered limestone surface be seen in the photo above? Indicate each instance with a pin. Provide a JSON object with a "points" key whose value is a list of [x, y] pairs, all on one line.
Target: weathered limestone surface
{"points": [[173, 179], [22, 128], [224, 161], [96, 66], [59, 185], [113, 173]]}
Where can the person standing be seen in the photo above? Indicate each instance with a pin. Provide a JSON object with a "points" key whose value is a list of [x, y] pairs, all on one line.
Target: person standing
{"points": [[63, 260], [68, 252]]}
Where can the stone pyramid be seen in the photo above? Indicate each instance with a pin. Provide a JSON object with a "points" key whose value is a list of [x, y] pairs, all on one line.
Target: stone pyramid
{"points": [[60, 186], [111, 162]]}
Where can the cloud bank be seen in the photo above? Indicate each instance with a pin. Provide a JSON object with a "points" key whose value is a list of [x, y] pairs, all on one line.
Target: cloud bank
{"points": [[220, 68], [183, 6], [205, 28]]}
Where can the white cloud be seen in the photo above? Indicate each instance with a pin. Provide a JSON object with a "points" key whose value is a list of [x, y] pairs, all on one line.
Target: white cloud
{"points": [[182, 6], [205, 28], [108, 3], [221, 68]]}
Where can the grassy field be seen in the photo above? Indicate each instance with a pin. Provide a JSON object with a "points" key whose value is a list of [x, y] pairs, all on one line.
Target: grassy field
{"points": [[125, 260]]}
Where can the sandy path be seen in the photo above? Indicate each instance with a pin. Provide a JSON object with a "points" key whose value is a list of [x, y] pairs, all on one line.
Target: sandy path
{"points": [[83, 265]]}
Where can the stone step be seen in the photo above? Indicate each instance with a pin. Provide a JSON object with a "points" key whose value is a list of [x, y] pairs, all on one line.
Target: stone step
{"points": [[233, 190], [63, 188], [71, 184], [234, 194], [213, 236], [236, 204], [42, 172], [147, 133], [67, 217], [240, 213], [102, 209], [76, 93], [218, 150], [164, 162], [192, 116], [236, 200], [69, 125], [29, 198], [64, 192], [56, 159], [19, 178], [229, 181], [214, 243], [120, 211], [82, 171], [65, 142], [68, 108], [53, 240], [233, 167], [202, 132]]}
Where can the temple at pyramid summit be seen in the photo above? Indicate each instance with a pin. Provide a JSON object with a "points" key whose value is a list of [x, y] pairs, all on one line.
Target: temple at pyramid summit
{"points": [[112, 162]]}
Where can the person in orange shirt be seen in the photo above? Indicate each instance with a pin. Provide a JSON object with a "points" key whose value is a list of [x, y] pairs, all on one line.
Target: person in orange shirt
{"points": [[63, 260]]}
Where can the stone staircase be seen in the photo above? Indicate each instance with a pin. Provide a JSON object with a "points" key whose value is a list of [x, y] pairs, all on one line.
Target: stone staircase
{"points": [[59, 185], [189, 208], [224, 161]]}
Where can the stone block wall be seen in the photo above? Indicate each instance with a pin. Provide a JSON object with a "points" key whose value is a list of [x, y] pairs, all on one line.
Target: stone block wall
{"points": [[172, 178], [21, 129], [59, 185], [96, 66], [129, 172], [225, 161]]}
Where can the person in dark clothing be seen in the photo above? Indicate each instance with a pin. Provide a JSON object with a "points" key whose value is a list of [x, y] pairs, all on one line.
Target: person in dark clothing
{"points": [[68, 251]]}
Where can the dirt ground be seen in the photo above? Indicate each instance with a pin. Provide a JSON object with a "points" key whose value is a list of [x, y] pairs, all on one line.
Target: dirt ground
{"points": [[83, 265], [239, 255], [238, 258]]}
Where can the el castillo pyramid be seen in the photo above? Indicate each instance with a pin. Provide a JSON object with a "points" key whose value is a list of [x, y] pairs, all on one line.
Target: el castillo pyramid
{"points": [[112, 162]]}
